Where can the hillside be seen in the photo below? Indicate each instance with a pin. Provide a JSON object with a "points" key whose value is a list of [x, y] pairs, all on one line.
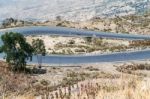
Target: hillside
{"points": [[74, 10]]}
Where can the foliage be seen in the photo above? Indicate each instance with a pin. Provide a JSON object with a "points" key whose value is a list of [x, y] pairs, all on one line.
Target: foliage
{"points": [[39, 49], [8, 22], [17, 50]]}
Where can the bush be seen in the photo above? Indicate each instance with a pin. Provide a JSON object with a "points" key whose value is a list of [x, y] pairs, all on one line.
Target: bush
{"points": [[44, 82], [88, 39], [71, 42]]}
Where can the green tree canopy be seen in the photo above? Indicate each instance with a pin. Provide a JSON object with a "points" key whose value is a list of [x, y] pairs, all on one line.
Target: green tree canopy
{"points": [[39, 49], [17, 50]]}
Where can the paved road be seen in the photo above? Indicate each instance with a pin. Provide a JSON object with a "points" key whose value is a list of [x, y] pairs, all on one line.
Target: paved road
{"points": [[45, 30], [78, 59]]}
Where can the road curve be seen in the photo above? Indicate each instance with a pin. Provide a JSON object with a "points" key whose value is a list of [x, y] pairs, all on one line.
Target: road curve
{"points": [[46, 30], [79, 59]]}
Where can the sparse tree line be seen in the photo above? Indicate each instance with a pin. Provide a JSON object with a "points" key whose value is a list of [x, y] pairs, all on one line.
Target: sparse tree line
{"points": [[18, 51], [11, 22]]}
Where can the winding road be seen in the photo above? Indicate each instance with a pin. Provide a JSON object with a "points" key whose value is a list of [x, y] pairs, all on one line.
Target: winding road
{"points": [[81, 59]]}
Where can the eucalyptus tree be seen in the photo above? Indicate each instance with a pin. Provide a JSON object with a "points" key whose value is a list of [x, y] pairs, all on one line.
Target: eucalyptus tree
{"points": [[17, 50], [39, 50]]}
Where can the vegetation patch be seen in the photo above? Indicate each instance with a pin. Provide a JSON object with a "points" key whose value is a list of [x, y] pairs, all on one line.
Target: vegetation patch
{"points": [[131, 69]]}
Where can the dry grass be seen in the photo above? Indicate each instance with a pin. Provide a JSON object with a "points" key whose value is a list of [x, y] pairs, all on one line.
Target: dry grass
{"points": [[126, 87], [90, 84], [140, 43], [13, 83], [133, 69]]}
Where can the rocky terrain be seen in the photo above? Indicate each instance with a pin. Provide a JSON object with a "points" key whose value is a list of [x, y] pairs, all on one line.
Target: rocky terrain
{"points": [[70, 10], [134, 24]]}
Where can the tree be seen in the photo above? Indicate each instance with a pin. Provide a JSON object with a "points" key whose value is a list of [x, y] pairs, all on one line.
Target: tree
{"points": [[17, 50], [39, 50], [8, 22]]}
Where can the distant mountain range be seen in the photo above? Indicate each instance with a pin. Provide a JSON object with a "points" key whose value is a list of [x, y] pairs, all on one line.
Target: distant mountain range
{"points": [[74, 10]]}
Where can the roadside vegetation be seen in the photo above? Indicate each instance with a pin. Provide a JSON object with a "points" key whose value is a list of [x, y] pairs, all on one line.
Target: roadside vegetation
{"points": [[86, 83], [39, 50], [133, 24], [21, 81], [87, 45], [17, 50], [134, 69], [140, 43], [78, 83]]}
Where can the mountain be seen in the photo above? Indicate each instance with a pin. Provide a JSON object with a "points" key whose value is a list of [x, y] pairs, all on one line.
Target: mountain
{"points": [[74, 10]]}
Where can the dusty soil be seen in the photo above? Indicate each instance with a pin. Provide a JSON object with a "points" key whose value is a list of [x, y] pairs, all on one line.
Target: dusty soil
{"points": [[105, 76]]}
